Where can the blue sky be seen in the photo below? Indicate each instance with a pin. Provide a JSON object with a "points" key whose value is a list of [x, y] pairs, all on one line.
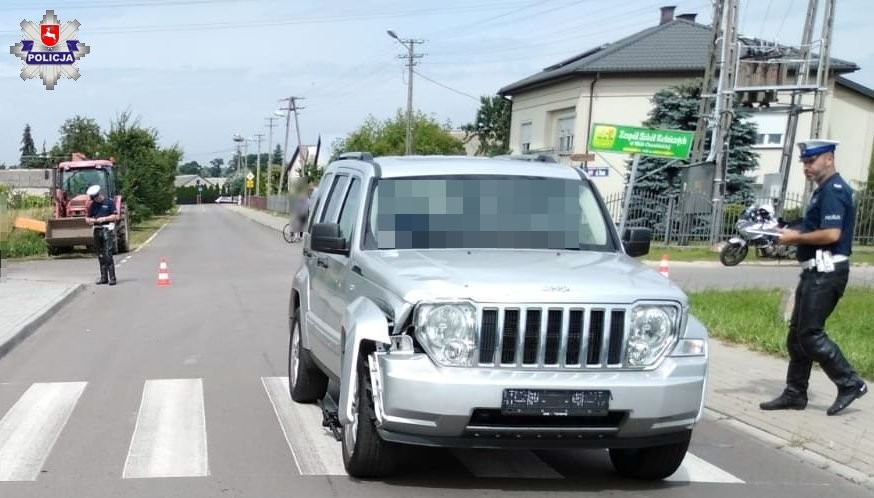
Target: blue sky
{"points": [[200, 71]]}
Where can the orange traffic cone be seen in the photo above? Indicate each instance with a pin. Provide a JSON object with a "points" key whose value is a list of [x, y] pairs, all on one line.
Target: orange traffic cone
{"points": [[163, 274], [663, 266]]}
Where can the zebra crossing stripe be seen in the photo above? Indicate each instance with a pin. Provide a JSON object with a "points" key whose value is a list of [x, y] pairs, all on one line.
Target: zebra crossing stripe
{"points": [[505, 464], [30, 428], [314, 449], [695, 469], [170, 435]]}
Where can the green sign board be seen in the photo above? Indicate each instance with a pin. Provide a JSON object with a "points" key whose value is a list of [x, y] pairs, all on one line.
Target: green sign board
{"points": [[646, 141]]}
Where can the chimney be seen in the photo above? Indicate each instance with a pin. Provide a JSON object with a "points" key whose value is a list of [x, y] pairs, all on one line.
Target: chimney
{"points": [[667, 14], [687, 17]]}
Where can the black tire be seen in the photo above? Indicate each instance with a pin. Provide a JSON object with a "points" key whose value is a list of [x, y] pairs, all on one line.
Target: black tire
{"points": [[654, 463], [306, 383], [56, 251], [287, 234], [733, 254], [365, 454]]}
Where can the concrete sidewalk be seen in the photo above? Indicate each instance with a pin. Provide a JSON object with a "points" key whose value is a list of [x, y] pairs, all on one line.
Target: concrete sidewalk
{"points": [[26, 304]]}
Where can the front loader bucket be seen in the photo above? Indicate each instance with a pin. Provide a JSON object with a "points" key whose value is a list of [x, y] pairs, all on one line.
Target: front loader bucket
{"points": [[69, 232]]}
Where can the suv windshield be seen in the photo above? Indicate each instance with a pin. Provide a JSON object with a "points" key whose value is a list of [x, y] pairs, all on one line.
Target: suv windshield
{"points": [[503, 212]]}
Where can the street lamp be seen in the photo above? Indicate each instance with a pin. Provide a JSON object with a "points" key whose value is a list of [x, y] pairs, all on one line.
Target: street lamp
{"points": [[408, 44]]}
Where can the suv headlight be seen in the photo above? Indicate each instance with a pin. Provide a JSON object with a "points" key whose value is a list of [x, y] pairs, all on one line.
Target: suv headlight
{"points": [[653, 330], [447, 331]]}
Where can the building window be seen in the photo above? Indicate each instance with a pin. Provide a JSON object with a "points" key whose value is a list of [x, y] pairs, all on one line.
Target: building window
{"points": [[525, 137], [770, 129], [565, 135]]}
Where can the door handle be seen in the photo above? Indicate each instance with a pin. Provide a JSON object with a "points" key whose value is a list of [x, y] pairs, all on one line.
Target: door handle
{"points": [[322, 262]]}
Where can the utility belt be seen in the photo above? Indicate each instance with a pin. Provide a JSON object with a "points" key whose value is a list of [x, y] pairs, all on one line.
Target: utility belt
{"points": [[825, 262], [105, 226]]}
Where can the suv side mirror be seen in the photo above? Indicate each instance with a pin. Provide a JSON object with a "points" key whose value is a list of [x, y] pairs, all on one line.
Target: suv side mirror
{"points": [[636, 241], [325, 237]]}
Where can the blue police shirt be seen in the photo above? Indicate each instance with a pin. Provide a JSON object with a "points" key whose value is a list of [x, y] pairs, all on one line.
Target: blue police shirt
{"points": [[101, 209], [831, 206]]}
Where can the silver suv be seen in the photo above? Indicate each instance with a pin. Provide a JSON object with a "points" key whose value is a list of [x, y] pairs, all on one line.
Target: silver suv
{"points": [[488, 303]]}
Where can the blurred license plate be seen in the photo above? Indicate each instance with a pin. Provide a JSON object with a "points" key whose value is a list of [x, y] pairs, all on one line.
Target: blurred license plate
{"points": [[554, 402]]}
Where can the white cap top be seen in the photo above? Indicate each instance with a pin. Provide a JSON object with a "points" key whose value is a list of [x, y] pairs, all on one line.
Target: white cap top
{"points": [[93, 190], [811, 148]]}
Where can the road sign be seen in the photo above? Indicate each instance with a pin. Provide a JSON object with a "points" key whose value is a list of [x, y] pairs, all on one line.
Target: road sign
{"points": [[598, 171], [250, 184], [250, 176], [672, 144], [582, 157]]}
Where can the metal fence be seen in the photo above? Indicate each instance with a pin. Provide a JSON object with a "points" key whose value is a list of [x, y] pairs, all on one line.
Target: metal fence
{"points": [[687, 218]]}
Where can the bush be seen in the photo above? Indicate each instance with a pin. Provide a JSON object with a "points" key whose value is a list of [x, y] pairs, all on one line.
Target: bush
{"points": [[22, 243]]}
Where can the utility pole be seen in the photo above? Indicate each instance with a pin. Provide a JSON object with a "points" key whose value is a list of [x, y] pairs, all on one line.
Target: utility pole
{"points": [[411, 56], [823, 70], [724, 113], [708, 86], [292, 107], [795, 107], [258, 167], [270, 155]]}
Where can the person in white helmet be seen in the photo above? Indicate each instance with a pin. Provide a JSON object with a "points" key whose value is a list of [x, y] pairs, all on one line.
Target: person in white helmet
{"points": [[102, 215]]}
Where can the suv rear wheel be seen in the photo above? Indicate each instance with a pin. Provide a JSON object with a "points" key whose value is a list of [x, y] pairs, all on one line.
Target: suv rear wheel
{"points": [[306, 383], [657, 462]]}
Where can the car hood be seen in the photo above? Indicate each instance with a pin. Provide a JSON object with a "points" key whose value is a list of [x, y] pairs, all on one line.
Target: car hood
{"points": [[518, 276]]}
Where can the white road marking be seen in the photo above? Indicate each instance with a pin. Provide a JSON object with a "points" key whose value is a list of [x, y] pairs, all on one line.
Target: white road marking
{"points": [[505, 464], [31, 427], [314, 449], [695, 469], [152, 237], [170, 435]]}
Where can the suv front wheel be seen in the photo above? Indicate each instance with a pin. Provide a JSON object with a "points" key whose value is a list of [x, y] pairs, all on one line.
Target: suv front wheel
{"points": [[657, 462], [306, 383], [365, 454]]}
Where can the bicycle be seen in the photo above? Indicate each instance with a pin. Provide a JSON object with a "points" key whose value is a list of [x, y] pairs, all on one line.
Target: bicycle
{"points": [[287, 234]]}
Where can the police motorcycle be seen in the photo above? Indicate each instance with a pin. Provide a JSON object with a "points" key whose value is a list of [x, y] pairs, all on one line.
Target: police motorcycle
{"points": [[757, 228]]}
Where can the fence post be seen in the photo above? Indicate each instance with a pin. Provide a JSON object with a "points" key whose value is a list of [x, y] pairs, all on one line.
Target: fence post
{"points": [[669, 221]]}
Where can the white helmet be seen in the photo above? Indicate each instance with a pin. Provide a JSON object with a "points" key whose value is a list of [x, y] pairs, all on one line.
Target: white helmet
{"points": [[93, 190]]}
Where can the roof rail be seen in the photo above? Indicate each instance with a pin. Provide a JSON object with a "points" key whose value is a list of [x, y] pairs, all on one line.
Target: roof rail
{"points": [[361, 156], [540, 158]]}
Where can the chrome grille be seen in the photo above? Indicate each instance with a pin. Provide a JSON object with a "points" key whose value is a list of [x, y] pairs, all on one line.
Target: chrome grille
{"points": [[584, 337]]}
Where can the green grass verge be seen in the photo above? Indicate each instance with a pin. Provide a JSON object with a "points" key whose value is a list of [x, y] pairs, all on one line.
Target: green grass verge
{"points": [[752, 318], [140, 232], [861, 254]]}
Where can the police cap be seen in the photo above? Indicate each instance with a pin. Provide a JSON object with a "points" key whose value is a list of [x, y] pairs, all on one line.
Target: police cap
{"points": [[93, 190], [812, 148]]}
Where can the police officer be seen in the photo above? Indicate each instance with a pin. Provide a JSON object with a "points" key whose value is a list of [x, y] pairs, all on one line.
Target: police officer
{"points": [[824, 248], [101, 213]]}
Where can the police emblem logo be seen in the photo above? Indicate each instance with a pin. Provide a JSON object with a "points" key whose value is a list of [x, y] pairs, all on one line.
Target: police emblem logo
{"points": [[50, 49]]}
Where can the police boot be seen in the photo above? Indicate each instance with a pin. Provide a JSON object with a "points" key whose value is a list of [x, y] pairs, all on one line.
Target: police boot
{"points": [[788, 400], [103, 272], [111, 274], [850, 386]]}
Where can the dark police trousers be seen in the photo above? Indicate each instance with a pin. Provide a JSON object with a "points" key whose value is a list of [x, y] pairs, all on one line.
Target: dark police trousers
{"points": [[104, 243], [816, 296]]}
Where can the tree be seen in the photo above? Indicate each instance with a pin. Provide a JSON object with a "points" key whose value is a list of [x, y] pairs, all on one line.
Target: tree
{"points": [[28, 149], [491, 126], [277, 155], [676, 108], [384, 138], [80, 134], [147, 170], [191, 168], [216, 169]]}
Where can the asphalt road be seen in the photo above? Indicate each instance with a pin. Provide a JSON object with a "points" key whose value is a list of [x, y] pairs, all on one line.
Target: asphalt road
{"points": [[145, 391]]}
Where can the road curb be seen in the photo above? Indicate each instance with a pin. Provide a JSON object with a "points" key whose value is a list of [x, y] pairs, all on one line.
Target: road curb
{"points": [[253, 219], [817, 459], [38, 318]]}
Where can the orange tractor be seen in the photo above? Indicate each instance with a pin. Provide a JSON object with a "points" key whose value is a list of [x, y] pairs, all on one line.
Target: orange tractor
{"points": [[70, 180]]}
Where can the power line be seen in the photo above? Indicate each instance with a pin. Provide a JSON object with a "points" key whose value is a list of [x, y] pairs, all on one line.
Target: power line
{"points": [[446, 86], [785, 16]]}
